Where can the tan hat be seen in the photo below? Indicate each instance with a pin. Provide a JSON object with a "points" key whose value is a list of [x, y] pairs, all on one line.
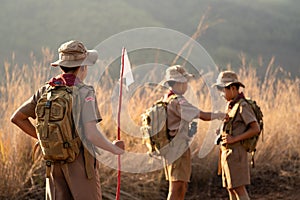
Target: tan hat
{"points": [[73, 54], [227, 78], [178, 74]]}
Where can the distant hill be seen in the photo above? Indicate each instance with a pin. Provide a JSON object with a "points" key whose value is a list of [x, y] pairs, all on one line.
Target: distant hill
{"points": [[29, 25], [258, 28]]}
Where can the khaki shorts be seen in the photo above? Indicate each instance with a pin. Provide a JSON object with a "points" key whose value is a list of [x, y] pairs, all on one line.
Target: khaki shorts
{"points": [[80, 188], [235, 166], [180, 169]]}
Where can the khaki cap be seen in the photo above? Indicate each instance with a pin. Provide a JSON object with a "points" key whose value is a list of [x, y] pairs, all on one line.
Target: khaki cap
{"points": [[74, 54], [227, 78], [178, 74]]}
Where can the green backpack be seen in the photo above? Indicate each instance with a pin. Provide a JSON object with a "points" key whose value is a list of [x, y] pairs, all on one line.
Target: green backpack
{"points": [[250, 143], [56, 131], [154, 127]]}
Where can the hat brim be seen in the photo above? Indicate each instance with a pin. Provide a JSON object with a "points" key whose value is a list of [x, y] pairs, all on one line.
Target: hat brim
{"points": [[227, 84], [91, 58]]}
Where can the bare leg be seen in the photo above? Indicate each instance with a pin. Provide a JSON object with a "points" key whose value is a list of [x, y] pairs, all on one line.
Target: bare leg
{"points": [[241, 193], [177, 190]]}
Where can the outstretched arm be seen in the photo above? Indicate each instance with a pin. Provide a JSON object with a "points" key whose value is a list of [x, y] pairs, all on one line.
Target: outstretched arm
{"points": [[98, 139], [252, 131], [23, 122], [208, 116]]}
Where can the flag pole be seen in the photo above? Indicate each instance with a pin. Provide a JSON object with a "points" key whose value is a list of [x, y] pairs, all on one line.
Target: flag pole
{"points": [[119, 123]]}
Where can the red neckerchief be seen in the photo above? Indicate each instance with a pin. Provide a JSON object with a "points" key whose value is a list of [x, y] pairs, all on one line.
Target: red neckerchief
{"points": [[170, 93], [64, 79], [236, 99]]}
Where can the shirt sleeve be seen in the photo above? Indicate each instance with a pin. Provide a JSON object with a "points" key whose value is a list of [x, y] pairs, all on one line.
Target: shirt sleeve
{"points": [[187, 110], [247, 113], [90, 110]]}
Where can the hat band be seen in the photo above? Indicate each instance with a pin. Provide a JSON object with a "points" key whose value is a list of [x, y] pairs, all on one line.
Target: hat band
{"points": [[227, 80], [71, 57]]}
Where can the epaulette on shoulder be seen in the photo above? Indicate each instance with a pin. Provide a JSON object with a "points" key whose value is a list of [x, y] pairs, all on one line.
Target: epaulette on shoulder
{"points": [[87, 87]]}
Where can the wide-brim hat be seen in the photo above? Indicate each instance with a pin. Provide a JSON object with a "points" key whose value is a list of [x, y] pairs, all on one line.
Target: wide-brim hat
{"points": [[74, 54], [227, 78], [178, 74]]}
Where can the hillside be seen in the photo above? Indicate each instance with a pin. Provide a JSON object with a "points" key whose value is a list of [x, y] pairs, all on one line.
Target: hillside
{"points": [[258, 28]]}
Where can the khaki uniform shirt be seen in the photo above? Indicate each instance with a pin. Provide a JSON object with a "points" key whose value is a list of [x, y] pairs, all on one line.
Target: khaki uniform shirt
{"points": [[79, 186], [178, 159], [234, 158]]}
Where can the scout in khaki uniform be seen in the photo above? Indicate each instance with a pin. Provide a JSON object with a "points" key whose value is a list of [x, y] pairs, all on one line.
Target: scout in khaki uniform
{"points": [[234, 160], [79, 179], [180, 113]]}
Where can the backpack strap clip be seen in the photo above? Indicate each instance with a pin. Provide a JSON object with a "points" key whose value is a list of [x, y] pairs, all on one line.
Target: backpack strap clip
{"points": [[66, 145], [48, 168]]}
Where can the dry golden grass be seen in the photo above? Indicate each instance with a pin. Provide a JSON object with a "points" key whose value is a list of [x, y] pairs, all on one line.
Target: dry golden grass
{"points": [[21, 178]]}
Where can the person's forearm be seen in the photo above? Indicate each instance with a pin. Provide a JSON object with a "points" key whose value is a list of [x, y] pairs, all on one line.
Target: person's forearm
{"points": [[252, 131], [247, 134], [24, 124], [100, 141], [28, 128], [208, 116]]}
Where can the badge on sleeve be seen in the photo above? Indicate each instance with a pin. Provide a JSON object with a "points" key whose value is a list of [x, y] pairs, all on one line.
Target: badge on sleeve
{"points": [[90, 98]]}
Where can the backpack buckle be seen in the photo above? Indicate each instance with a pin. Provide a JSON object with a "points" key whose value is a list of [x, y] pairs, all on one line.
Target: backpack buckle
{"points": [[48, 163], [66, 145], [48, 104], [68, 90]]}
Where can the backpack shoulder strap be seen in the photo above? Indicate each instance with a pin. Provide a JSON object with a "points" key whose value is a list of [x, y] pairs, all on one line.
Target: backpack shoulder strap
{"points": [[170, 98], [233, 111], [227, 126]]}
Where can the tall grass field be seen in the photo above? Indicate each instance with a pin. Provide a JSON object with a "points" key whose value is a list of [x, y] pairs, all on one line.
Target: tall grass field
{"points": [[277, 158]]}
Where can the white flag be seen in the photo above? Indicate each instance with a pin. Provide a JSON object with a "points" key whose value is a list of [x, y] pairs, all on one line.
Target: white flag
{"points": [[127, 73]]}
